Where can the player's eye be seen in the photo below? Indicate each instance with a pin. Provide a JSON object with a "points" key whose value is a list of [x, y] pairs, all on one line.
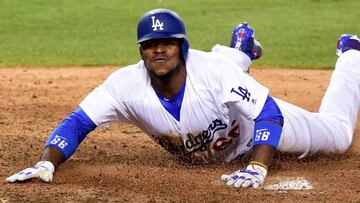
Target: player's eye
{"points": [[160, 42], [168, 43], [146, 45]]}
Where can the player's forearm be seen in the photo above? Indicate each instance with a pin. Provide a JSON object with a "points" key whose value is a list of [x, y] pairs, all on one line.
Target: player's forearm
{"points": [[267, 133], [53, 155], [66, 137], [60, 145], [263, 154]]}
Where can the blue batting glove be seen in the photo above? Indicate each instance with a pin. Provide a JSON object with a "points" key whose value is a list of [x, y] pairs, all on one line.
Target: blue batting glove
{"points": [[347, 42], [243, 40]]}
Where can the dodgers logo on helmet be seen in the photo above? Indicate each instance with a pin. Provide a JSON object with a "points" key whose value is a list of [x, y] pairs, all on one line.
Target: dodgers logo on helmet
{"points": [[162, 23], [156, 24]]}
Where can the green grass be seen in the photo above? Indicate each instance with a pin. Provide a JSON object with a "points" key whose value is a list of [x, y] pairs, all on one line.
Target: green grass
{"points": [[298, 33]]}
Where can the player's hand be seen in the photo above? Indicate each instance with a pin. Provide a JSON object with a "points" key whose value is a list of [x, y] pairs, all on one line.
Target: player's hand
{"points": [[43, 170], [253, 176], [243, 40]]}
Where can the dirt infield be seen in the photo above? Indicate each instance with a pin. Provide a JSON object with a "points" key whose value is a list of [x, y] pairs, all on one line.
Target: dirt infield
{"points": [[122, 164]]}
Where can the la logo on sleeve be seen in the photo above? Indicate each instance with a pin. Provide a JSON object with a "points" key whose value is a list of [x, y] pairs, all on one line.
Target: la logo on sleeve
{"points": [[156, 24]]}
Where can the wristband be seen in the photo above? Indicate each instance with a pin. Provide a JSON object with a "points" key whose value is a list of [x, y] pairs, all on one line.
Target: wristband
{"points": [[259, 164]]}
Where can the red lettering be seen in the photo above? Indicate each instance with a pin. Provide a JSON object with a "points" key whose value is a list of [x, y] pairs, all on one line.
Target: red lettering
{"points": [[221, 143]]}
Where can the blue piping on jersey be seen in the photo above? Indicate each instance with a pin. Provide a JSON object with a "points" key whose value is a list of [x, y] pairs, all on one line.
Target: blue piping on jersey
{"points": [[173, 105]]}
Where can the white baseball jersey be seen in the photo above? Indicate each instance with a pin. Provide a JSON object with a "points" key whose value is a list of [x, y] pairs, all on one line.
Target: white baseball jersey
{"points": [[219, 105], [220, 101]]}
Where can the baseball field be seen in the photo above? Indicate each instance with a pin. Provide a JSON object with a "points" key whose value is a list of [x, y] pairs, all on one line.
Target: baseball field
{"points": [[53, 53]]}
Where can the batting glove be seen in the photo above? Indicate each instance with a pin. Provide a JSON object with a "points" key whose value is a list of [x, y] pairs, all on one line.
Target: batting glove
{"points": [[243, 39], [43, 170], [253, 176]]}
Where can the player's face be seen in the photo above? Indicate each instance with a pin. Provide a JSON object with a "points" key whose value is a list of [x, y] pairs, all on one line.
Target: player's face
{"points": [[161, 56]]}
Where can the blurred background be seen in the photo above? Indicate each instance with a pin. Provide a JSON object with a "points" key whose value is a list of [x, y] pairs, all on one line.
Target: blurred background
{"points": [[58, 33]]}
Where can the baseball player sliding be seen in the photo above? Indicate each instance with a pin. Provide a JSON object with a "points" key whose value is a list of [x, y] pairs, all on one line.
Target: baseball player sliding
{"points": [[204, 106]]}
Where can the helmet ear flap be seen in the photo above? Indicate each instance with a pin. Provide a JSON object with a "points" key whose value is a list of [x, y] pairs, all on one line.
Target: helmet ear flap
{"points": [[141, 53], [162, 23], [184, 48]]}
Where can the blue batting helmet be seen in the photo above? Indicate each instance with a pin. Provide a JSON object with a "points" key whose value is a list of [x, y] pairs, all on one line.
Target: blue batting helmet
{"points": [[162, 23]]}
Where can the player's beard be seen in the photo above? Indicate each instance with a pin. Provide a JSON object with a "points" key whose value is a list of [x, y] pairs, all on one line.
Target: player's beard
{"points": [[168, 76], [169, 84]]}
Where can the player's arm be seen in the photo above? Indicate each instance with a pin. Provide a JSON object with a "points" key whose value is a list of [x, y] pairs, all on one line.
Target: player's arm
{"points": [[61, 144], [243, 40], [240, 58], [234, 55], [243, 49], [267, 132]]}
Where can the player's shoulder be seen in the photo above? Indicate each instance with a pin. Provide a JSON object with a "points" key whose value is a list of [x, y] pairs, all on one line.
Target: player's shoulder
{"points": [[210, 56], [207, 70], [129, 75], [211, 59], [130, 79], [135, 70], [209, 64]]}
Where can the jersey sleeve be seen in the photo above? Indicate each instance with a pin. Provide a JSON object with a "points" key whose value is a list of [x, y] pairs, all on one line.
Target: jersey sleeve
{"points": [[102, 105], [235, 55], [242, 92]]}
